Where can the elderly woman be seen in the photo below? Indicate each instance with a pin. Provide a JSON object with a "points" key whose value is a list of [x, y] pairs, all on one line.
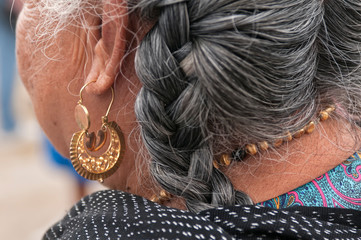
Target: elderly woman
{"points": [[206, 111]]}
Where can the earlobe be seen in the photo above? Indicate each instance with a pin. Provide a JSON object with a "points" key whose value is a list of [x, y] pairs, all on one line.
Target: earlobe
{"points": [[111, 47]]}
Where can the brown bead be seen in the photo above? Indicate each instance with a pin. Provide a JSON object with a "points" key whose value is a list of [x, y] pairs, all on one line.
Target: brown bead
{"points": [[289, 136], [278, 142], [330, 109], [215, 164], [154, 198], [324, 115], [225, 160], [299, 133], [310, 127], [263, 145], [251, 149], [164, 195]]}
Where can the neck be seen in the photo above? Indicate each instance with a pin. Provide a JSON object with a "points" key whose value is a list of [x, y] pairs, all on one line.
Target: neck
{"points": [[275, 172]]}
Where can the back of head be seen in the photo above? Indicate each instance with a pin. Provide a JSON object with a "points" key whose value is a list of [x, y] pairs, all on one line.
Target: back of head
{"points": [[217, 74]]}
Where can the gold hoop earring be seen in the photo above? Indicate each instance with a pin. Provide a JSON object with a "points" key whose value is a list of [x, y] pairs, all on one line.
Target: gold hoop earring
{"points": [[102, 165]]}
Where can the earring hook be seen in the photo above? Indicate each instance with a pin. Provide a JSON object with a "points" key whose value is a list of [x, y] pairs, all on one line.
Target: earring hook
{"points": [[81, 97]]}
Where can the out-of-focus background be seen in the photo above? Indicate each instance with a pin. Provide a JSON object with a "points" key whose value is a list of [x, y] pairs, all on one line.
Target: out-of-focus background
{"points": [[37, 186]]}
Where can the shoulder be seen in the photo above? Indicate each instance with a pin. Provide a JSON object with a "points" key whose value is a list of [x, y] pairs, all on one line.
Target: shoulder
{"points": [[293, 223], [117, 215]]}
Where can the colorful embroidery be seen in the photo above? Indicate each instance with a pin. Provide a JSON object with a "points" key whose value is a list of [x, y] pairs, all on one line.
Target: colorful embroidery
{"points": [[339, 188]]}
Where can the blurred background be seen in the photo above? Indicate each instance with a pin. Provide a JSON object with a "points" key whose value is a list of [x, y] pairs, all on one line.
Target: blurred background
{"points": [[37, 185]]}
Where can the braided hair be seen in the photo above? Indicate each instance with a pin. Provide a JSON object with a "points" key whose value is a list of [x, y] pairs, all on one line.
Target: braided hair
{"points": [[221, 73]]}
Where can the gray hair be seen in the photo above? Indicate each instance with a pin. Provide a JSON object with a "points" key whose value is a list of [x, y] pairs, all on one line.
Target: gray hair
{"points": [[221, 73], [218, 74]]}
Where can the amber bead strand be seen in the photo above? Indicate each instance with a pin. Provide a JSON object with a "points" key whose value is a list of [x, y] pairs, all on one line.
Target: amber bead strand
{"points": [[254, 148]]}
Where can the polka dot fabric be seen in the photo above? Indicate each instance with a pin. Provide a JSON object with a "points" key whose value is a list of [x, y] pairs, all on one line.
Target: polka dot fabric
{"points": [[117, 215]]}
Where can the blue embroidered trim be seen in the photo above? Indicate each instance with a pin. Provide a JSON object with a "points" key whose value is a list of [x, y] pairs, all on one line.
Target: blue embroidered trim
{"points": [[338, 188]]}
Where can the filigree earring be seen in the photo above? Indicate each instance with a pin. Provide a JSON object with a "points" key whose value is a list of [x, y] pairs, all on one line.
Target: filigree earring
{"points": [[86, 157]]}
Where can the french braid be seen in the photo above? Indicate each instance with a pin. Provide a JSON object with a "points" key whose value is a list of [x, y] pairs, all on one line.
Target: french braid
{"points": [[172, 112], [220, 73]]}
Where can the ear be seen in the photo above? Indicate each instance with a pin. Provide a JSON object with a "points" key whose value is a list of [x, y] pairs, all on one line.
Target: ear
{"points": [[110, 48]]}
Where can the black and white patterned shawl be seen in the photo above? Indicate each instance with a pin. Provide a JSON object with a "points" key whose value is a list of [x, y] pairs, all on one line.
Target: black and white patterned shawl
{"points": [[117, 215]]}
